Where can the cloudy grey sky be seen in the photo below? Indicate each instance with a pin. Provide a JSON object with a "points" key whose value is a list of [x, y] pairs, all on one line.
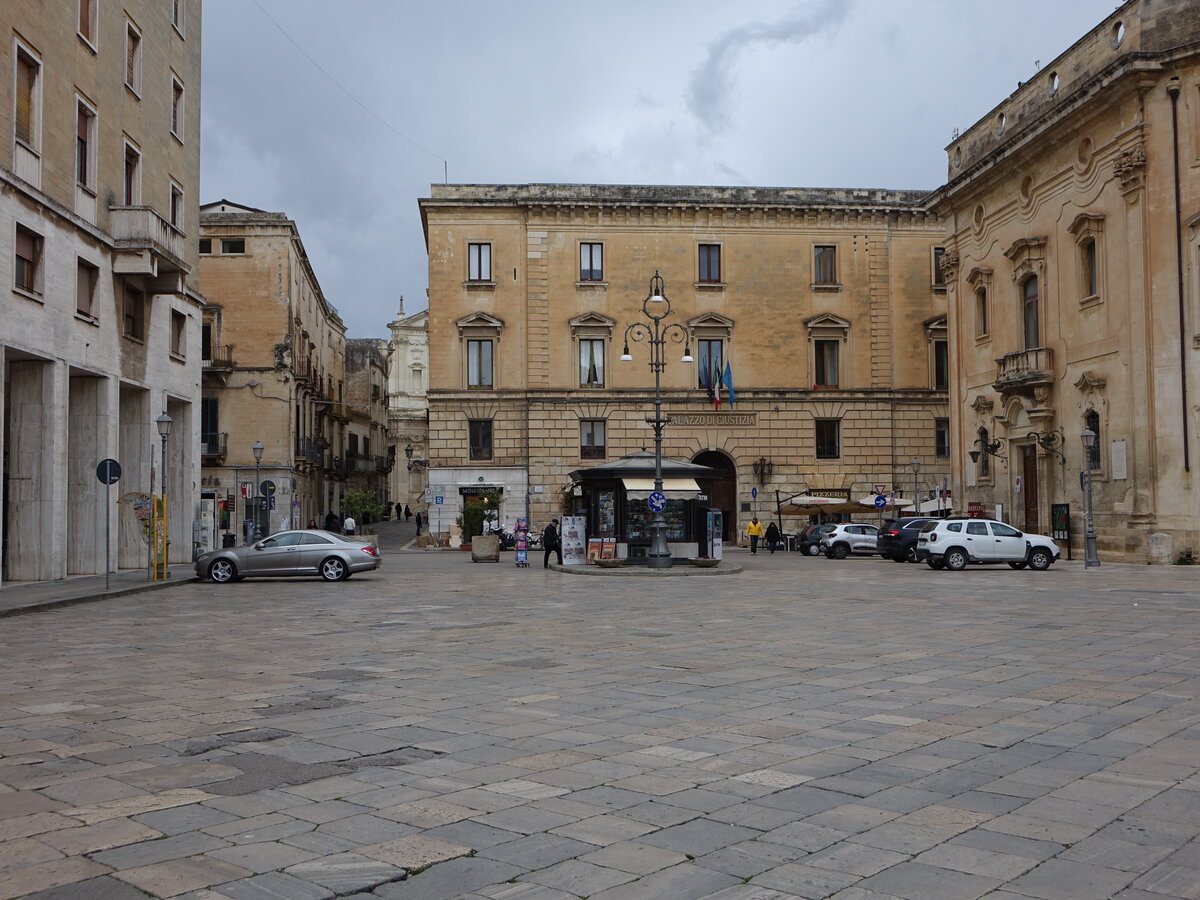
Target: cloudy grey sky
{"points": [[342, 114]]}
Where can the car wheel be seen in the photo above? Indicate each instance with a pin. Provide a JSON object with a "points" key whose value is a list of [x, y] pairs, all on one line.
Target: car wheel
{"points": [[333, 569], [935, 563], [839, 551], [1039, 559], [910, 553], [1019, 565], [898, 557], [222, 571], [956, 559], [814, 549]]}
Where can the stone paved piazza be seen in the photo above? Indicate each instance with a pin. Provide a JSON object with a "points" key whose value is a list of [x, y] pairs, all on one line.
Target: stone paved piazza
{"points": [[859, 729]]}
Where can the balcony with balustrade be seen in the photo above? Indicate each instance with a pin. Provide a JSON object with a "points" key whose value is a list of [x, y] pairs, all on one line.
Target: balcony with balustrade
{"points": [[146, 243], [214, 446], [1023, 371]]}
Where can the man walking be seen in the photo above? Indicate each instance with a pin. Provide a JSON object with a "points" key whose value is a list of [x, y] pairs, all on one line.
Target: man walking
{"points": [[418, 521], [551, 543], [349, 525], [754, 531]]}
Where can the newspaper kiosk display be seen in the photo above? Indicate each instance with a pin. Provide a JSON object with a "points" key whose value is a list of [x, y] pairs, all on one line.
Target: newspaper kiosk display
{"points": [[522, 531]]}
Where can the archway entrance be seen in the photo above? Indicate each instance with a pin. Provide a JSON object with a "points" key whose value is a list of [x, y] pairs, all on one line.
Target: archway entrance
{"points": [[723, 493]]}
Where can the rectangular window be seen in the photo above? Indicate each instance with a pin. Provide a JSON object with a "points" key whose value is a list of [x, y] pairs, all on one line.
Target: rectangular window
{"points": [[210, 422], [479, 364], [29, 72], [829, 438], [941, 438], [709, 363], [86, 277], [981, 313], [178, 333], [177, 108], [939, 276], [206, 341], [133, 59], [134, 313], [825, 265], [479, 262], [941, 366], [591, 262], [87, 21], [1091, 271], [178, 9], [233, 245], [85, 142], [205, 246], [591, 439], [176, 209], [28, 270], [480, 432], [710, 263], [133, 176], [591, 363], [352, 448], [825, 363], [1091, 421]]}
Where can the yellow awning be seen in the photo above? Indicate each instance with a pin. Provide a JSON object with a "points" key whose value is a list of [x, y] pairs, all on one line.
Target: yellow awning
{"points": [[673, 488]]}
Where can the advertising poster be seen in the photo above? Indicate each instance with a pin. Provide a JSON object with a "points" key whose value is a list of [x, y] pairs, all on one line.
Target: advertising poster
{"points": [[573, 540], [594, 546]]}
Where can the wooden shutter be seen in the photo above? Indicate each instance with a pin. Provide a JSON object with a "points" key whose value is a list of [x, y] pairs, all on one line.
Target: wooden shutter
{"points": [[131, 52], [26, 245], [26, 75], [85, 18]]}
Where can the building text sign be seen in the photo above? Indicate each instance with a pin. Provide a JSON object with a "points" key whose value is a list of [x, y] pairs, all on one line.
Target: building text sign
{"points": [[707, 420]]}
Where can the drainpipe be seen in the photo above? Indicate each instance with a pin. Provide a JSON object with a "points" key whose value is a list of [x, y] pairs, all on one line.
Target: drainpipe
{"points": [[1173, 88]]}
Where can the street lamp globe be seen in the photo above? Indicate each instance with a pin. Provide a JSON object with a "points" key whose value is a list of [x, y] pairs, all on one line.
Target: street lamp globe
{"points": [[164, 423], [258, 451]]}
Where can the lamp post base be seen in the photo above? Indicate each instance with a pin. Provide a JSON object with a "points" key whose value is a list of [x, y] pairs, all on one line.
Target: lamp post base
{"points": [[658, 556]]}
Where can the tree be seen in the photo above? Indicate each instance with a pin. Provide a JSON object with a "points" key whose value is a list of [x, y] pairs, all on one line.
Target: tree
{"points": [[361, 504]]}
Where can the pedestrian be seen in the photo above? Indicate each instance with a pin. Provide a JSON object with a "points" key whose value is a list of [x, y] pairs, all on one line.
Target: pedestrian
{"points": [[772, 537], [407, 512], [349, 525], [399, 507], [418, 521], [312, 525], [332, 522], [754, 531], [551, 543]]}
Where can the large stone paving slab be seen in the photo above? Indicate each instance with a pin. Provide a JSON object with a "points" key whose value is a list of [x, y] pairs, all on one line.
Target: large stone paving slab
{"points": [[809, 728]]}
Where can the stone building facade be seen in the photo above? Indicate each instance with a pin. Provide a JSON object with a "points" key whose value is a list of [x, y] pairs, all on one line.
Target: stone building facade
{"points": [[99, 303], [274, 372], [408, 409], [369, 454], [1072, 213], [826, 306]]}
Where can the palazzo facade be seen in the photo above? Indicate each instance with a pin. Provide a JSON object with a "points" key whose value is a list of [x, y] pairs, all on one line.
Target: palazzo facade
{"points": [[1072, 216], [824, 309]]}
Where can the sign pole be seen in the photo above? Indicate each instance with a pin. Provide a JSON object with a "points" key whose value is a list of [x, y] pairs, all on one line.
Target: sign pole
{"points": [[107, 533]]}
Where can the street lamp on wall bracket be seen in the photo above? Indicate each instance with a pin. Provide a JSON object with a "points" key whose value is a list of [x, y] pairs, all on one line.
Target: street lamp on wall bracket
{"points": [[990, 448], [763, 470], [414, 463], [1050, 441]]}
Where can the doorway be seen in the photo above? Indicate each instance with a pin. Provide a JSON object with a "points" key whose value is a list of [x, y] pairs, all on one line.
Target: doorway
{"points": [[1029, 486], [722, 494]]}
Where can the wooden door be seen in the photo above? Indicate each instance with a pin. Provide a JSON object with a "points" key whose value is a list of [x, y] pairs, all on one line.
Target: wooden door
{"points": [[1029, 487]]}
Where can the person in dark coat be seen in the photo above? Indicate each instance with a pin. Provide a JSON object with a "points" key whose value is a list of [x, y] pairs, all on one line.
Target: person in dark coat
{"points": [[772, 537], [551, 543], [407, 513], [418, 522], [332, 522], [400, 509]]}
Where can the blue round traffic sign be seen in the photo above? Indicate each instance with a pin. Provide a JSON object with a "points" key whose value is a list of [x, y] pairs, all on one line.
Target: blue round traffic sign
{"points": [[880, 501], [657, 501]]}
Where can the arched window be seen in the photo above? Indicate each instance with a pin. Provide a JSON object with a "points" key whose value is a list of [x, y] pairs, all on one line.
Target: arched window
{"points": [[1029, 302]]}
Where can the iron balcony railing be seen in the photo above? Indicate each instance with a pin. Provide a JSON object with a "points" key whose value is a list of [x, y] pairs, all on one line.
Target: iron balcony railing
{"points": [[219, 357], [214, 444]]}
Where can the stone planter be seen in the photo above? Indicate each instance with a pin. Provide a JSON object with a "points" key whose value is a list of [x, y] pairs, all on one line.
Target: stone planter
{"points": [[609, 563], [704, 562], [484, 548]]}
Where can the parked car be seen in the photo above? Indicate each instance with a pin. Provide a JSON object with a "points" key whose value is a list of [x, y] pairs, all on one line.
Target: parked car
{"points": [[306, 552], [809, 540], [953, 543], [898, 538], [849, 537]]}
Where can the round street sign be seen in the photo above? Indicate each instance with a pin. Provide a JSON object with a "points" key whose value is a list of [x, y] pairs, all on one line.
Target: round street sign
{"points": [[657, 501], [880, 501], [109, 471], [267, 488]]}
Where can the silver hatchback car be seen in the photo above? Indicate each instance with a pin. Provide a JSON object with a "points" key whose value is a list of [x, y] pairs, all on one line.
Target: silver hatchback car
{"points": [[332, 556]]}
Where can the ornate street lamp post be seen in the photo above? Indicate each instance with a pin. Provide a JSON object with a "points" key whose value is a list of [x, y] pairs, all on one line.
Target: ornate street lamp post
{"points": [[258, 452], [164, 423], [656, 307], [1090, 557], [916, 467]]}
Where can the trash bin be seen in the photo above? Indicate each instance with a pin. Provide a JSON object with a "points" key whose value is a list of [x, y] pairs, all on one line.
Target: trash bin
{"points": [[228, 539]]}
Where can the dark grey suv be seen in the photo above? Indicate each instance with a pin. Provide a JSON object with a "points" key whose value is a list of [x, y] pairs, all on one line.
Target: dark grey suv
{"points": [[898, 538]]}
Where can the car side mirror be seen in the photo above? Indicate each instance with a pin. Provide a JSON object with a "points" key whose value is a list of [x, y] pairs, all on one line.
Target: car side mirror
{"points": [[1020, 535], [258, 546]]}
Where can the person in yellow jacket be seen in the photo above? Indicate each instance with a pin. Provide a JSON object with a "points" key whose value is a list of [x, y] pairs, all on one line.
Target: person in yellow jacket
{"points": [[754, 531]]}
